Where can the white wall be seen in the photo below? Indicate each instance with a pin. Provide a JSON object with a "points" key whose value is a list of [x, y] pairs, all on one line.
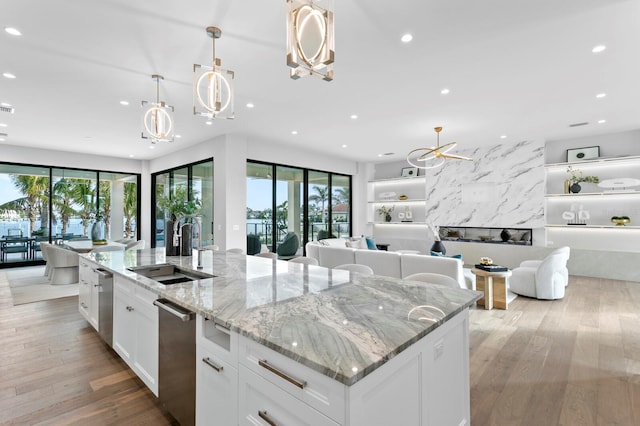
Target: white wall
{"points": [[619, 144]]}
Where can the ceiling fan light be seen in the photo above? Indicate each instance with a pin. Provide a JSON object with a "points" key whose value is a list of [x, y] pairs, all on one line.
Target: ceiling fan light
{"points": [[430, 158]]}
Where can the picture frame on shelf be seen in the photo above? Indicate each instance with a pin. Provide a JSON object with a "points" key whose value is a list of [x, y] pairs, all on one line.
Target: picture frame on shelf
{"points": [[409, 172], [585, 153]]}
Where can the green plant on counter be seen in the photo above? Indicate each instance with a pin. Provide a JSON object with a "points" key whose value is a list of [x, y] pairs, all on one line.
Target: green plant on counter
{"points": [[178, 204], [385, 211], [576, 176]]}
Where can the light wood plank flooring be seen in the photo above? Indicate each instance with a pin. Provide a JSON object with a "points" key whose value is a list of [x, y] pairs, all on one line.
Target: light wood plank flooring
{"points": [[574, 361]]}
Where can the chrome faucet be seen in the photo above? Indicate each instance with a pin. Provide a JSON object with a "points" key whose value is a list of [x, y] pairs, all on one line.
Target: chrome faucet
{"points": [[177, 234]]}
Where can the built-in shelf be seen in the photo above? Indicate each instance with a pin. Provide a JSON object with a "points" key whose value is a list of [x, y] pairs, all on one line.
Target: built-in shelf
{"points": [[386, 192], [397, 223], [592, 226], [400, 179], [597, 205], [415, 200]]}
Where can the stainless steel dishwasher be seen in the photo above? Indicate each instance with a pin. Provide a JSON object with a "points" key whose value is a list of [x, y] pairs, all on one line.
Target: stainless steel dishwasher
{"points": [[177, 363], [105, 305]]}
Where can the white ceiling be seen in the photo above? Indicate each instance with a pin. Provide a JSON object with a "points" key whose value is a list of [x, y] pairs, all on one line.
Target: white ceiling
{"points": [[521, 68]]}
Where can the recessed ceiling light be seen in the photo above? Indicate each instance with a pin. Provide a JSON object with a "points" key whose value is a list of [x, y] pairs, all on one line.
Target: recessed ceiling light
{"points": [[354, 117], [406, 38], [13, 31], [601, 95], [3, 125], [602, 121], [4, 104], [379, 155], [208, 123], [294, 132], [2, 139], [344, 146], [8, 75], [599, 48], [124, 103], [130, 155], [250, 105], [178, 136], [503, 136], [152, 147], [445, 91]]}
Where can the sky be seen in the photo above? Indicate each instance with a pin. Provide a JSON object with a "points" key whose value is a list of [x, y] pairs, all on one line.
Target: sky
{"points": [[8, 193]]}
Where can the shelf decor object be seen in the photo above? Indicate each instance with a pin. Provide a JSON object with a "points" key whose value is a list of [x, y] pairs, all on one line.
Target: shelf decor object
{"points": [[619, 183], [157, 118], [587, 153], [310, 39], [429, 158], [576, 176], [409, 172], [213, 86], [385, 212], [620, 220]]}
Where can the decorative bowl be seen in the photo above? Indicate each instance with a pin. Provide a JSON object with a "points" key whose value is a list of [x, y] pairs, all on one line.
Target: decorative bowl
{"points": [[99, 242], [620, 220], [403, 197]]}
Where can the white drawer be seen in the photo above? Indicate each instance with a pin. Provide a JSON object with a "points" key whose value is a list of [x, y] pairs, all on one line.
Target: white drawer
{"points": [[216, 390], [317, 390], [217, 339], [263, 403]]}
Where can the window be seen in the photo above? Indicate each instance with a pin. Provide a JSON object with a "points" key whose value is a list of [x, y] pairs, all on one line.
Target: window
{"points": [[43, 203], [312, 204], [184, 189]]}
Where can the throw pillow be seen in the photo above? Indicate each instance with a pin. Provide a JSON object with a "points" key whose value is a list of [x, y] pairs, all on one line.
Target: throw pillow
{"points": [[453, 256], [371, 244]]}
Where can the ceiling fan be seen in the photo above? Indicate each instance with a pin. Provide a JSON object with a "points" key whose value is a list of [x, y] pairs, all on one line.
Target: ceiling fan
{"points": [[429, 158]]}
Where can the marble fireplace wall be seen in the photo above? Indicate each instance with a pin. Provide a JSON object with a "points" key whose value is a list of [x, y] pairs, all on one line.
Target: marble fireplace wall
{"points": [[502, 187]]}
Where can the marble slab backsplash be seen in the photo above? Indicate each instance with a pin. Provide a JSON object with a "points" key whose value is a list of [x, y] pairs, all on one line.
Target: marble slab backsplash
{"points": [[502, 187]]}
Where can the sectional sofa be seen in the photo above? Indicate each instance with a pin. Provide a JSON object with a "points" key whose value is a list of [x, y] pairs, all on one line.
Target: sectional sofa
{"points": [[333, 252]]}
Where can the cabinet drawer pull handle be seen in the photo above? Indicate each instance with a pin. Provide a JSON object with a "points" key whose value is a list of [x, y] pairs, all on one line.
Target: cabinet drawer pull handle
{"points": [[212, 364], [298, 383], [222, 328], [129, 308], [263, 415]]}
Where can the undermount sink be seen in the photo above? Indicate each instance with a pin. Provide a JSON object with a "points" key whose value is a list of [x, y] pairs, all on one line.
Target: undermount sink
{"points": [[166, 273]]}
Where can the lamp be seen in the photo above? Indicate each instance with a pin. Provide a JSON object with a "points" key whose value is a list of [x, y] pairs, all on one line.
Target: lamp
{"points": [[429, 158], [213, 86], [310, 40], [157, 118]]}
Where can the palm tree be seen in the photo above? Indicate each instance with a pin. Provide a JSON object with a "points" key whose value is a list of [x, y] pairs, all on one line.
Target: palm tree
{"points": [[321, 197], [83, 194], [130, 206], [34, 189], [63, 201]]}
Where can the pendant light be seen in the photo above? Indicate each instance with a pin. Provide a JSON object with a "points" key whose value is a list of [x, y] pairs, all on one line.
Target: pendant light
{"points": [[213, 86], [310, 39], [429, 158], [157, 118]]}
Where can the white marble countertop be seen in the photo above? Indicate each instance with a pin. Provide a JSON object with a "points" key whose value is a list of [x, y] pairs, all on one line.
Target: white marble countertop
{"points": [[342, 324]]}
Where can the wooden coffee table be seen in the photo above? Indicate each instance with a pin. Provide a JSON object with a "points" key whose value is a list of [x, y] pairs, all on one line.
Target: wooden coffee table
{"points": [[494, 285]]}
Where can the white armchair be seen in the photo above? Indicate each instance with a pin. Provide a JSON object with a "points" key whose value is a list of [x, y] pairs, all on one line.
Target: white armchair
{"points": [[543, 279], [64, 265]]}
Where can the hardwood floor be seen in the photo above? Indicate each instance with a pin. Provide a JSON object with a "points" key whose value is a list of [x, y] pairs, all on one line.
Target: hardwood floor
{"points": [[55, 370], [574, 361]]}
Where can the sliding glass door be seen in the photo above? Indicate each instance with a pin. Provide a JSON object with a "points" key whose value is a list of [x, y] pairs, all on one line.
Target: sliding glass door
{"points": [[57, 204]]}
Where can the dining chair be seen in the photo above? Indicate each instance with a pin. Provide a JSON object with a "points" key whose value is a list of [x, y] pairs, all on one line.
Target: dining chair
{"points": [[354, 267], [432, 278]]}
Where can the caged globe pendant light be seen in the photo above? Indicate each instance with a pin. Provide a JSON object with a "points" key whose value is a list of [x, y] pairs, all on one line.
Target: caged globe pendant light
{"points": [[213, 86], [157, 118], [430, 158]]}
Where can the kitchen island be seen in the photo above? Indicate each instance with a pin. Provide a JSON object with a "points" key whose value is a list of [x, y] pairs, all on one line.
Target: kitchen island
{"points": [[310, 345]]}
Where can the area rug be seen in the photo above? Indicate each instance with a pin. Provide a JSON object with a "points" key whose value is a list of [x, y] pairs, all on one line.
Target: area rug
{"points": [[29, 285]]}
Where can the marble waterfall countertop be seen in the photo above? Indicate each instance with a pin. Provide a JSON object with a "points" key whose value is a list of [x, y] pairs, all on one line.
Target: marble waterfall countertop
{"points": [[342, 324]]}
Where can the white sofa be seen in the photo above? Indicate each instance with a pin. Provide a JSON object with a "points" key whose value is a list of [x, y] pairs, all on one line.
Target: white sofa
{"points": [[333, 252]]}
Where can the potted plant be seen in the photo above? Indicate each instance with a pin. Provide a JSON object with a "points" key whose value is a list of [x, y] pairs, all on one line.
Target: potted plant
{"points": [[576, 176], [174, 208], [385, 212]]}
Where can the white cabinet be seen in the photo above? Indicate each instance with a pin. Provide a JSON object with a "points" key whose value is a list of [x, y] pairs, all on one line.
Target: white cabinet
{"points": [[592, 229], [135, 329], [407, 197], [216, 374], [88, 292]]}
